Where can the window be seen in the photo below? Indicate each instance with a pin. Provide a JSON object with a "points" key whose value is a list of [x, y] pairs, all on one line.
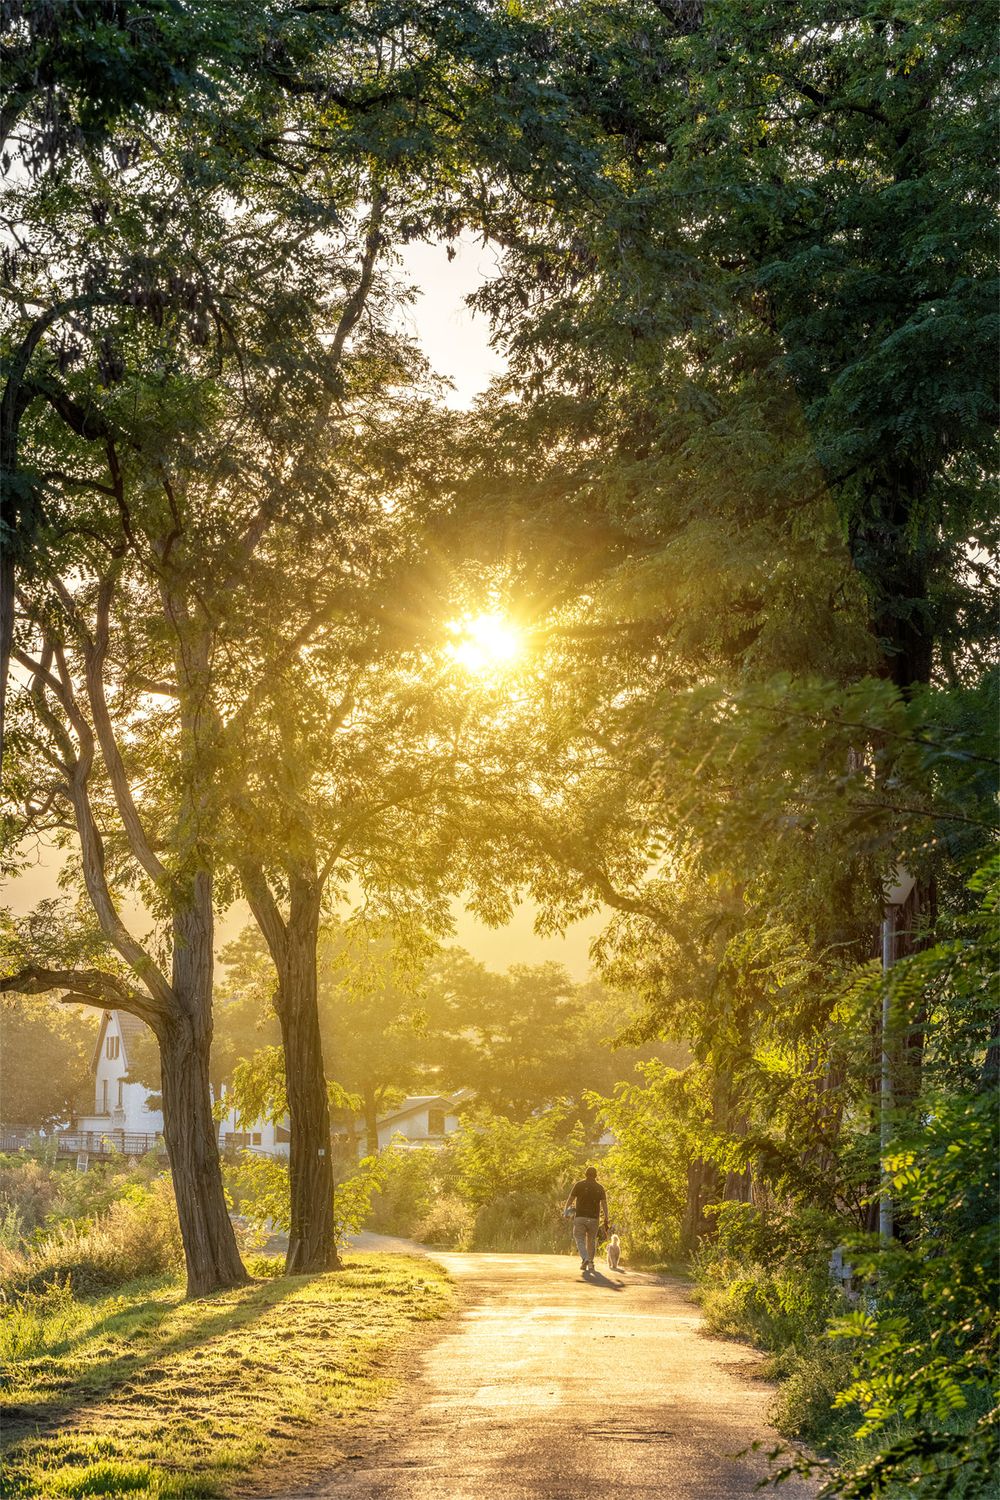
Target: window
{"points": [[111, 1046], [255, 1138], [435, 1122], [120, 1086], [104, 1096]]}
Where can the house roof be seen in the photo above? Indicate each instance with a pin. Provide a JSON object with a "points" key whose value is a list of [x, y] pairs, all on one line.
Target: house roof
{"points": [[414, 1104], [131, 1028]]}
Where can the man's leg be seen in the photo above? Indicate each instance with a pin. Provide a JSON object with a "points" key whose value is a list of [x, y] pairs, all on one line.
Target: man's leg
{"points": [[591, 1239], [580, 1235]]}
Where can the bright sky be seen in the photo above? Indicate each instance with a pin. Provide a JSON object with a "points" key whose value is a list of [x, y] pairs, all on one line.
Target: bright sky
{"points": [[457, 345]]}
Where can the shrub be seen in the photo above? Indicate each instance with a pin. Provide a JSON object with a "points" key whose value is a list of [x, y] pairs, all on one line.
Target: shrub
{"points": [[765, 1275], [36, 1321], [29, 1189], [810, 1380], [265, 1267], [352, 1202], [136, 1236], [257, 1187], [529, 1222], [448, 1223], [493, 1157], [44, 1194], [408, 1191]]}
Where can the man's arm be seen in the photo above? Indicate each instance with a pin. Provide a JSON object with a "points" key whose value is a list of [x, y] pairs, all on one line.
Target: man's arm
{"points": [[569, 1200], [604, 1208]]}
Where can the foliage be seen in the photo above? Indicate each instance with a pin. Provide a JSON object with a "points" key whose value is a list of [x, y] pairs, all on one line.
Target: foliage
{"points": [[405, 1198], [911, 1373], [46, 1194], [373, 1017], [450, 1225], [527, 1039], [525, 1221], [30, 1192], [493, 1156], [52, 1046], [927, 1351], [257, 1186], [259, 1189], [135, 1236], [353, 1201], [645, 1168], [242, 1006], [766, 1275], [513, 1176]]}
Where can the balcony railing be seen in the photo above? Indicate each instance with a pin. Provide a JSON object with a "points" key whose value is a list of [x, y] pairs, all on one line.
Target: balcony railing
{"points": [[84, 1142]]}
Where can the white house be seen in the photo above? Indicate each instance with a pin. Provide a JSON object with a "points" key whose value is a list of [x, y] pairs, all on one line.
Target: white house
{"points": [[421, 1120], [259, 1136], [124, 1119], [121, 1109]]}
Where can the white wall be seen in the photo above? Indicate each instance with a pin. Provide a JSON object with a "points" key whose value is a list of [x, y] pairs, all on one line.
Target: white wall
{"points": [[263, 1135], [132, 1115], [413, 1127]]}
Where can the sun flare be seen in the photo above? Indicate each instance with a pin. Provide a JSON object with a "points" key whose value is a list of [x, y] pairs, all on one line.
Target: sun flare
{"points": [[484, 644]]}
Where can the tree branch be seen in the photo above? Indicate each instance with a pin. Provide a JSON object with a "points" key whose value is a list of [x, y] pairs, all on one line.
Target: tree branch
{"points": [[95, 655], [86, 986], [266, 911]]}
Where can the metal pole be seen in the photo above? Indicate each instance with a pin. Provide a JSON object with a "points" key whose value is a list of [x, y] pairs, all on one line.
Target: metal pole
{"points": [[885, 1093]]}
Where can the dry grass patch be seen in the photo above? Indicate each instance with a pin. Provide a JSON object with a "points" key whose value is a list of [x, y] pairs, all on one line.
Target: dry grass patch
{"points": [[146, 1395]]}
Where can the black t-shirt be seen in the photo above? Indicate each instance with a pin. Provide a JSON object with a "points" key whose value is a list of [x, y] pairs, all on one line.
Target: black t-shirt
{"points": [[589, 1196]]}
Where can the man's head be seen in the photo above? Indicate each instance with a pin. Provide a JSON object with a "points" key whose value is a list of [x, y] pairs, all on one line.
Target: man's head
{"points": [[591, 1174]]}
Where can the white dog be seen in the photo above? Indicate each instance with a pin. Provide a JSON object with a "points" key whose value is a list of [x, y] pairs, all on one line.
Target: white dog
{"points": [[614, 1249]]}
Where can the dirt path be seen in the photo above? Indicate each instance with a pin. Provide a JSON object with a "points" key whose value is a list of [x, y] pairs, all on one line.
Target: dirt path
{"points": [[550, 1387]]}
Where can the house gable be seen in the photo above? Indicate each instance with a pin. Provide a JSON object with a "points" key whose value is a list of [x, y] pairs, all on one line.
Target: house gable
{"points": [[128, 1029], [106, 1018], [417, 1106]]}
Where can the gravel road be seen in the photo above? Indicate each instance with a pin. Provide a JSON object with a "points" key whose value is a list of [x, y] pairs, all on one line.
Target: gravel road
{"points": [[551, 1387]]}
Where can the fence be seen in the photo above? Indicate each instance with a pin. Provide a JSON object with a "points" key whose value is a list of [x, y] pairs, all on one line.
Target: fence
{"points": [[100, 1143]]}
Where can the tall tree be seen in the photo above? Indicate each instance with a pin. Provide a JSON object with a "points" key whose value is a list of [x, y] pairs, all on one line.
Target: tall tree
{"points": [[764, 369], [461, 128], [164, 429], [172, 362]]}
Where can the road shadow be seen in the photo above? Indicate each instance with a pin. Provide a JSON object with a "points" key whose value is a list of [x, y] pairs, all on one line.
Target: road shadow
{"points": [[598, 1278]]}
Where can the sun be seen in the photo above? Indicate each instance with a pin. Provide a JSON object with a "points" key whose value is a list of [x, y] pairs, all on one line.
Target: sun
{"points": [[484, 644]]}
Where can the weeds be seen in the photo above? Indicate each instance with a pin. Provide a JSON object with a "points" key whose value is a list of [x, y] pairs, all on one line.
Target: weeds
{"points": [[136, 1236]]}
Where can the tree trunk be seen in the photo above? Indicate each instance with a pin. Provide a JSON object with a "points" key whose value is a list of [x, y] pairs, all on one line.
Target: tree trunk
{"points": [[702, 1189], [893, 557], [210, 1250], [6, 629], [311, 1240], [371, 1120]]}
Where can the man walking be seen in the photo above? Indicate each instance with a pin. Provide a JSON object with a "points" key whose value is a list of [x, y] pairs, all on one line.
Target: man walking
{"points": [[591, 1205]]}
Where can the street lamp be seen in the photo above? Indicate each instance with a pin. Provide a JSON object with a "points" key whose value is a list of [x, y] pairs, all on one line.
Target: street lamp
{"points": [[896, 897]]}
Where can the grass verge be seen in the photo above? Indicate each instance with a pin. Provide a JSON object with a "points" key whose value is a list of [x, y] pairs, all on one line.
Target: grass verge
{"points": [[145, 1395]]}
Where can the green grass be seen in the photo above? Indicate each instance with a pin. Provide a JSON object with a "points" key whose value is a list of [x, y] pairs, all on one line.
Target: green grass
{"points": [[146, 1395]]}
